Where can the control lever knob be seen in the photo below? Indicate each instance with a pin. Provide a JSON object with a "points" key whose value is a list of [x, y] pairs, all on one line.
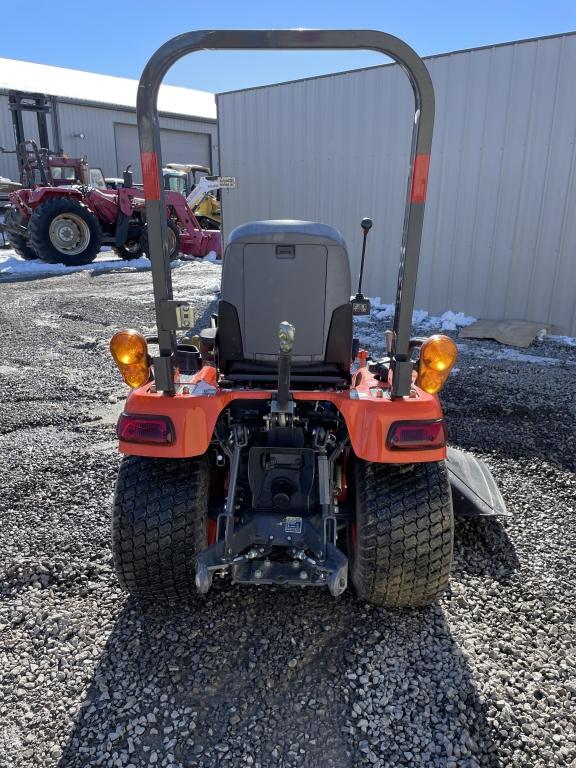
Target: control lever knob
{"points": [[286, 332]]}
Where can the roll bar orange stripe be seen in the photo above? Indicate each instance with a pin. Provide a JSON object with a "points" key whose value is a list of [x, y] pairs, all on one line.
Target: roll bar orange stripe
{"points": [[150, 175], [420, 179]]}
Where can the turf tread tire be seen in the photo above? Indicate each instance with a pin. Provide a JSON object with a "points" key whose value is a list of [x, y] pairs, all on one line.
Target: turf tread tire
{"points": [[159, 524], [39, 225], [404, 533]]}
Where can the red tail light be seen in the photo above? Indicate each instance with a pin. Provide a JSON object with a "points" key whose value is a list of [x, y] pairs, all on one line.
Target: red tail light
{"points": [[154, 430], [417, 435]]}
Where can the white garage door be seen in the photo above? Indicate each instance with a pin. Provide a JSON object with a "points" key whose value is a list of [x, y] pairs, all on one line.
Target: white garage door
{"points": [[177, 147]]}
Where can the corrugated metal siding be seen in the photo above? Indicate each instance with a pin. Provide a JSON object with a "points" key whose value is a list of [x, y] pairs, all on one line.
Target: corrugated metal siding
{"points": [[500, 232], [8, 164], [97, 124], [177, 147]]}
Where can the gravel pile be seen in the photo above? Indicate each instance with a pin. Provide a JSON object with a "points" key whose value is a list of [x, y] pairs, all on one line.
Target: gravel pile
{"points": [[268, 677]]}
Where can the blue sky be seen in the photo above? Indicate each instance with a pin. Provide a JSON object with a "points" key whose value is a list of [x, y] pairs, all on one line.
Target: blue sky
{"points": [[116, 38]]}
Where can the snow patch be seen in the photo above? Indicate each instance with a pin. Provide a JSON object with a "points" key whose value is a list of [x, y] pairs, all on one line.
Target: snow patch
{"points": [[520, 357], [211, 257], [384, 315], [501, 352], [12, 264], [380, 310], [449, 321], [420, 317], [508, 354], [377, 304], [568, 341]]}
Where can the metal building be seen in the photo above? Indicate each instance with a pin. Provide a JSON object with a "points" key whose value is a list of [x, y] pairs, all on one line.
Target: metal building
{"points": [[96, 117], [500, 230]]}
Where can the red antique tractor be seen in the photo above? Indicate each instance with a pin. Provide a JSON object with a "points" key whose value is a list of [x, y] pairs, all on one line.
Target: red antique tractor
{"points": [[64, 213], [42, 167], [69, 224]]}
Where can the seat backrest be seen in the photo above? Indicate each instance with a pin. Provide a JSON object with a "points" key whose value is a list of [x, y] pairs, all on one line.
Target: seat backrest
{"points": [[296, 271]]}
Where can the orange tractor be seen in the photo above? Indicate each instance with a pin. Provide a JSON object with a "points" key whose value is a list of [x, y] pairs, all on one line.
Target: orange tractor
{"points": [[271, 448]]}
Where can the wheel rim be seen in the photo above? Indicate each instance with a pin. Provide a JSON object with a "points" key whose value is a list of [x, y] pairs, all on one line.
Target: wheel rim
{"points": [[133, 246], [171, 242], [69, 233]]}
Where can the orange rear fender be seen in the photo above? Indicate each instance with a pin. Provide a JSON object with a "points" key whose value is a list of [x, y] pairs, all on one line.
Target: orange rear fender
{"points": [[366, 408]]}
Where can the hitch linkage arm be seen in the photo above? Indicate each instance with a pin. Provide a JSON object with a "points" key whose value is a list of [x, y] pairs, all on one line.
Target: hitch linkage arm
{"points": [[226, 519]]}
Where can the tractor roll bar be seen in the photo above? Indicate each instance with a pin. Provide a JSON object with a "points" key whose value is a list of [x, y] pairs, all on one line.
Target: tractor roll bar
{"points": [[151, 156]]}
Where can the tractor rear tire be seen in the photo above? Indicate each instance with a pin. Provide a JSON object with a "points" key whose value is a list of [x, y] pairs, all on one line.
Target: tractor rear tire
{"points": [[159, 524], [173, 241], [401, 546], [63, 231], [19, 243], [20, 246], [131, 250]]}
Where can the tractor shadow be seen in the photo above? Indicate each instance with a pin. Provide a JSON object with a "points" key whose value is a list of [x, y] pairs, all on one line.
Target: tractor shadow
{"points": [[482, 547], [272, 677]]}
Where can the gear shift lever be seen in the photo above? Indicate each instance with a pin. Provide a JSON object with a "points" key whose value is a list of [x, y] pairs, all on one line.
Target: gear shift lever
{"points": [[360, 304]]}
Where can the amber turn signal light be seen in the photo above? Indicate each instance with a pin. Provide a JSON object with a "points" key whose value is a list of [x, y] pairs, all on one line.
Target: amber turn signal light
{"points": [[438, 355], [130, 352]]}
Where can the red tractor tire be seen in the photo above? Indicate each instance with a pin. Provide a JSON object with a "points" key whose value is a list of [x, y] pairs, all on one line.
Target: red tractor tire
{"points": [[173, 241], [19, 243], [131, 250], [63, 231]]}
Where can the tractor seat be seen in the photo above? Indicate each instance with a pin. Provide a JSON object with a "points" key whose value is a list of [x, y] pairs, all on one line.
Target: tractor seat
{"points": [[296, 271]]}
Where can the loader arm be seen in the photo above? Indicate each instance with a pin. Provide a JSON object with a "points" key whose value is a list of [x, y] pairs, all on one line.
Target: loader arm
{"points": [[209, 184]]}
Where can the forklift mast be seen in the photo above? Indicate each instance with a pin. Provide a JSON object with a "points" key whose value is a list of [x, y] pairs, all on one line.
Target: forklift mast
{"points": [[42, 105]]}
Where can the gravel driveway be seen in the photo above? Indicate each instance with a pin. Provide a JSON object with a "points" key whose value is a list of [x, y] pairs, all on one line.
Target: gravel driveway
{"points": [[259, 676]]}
